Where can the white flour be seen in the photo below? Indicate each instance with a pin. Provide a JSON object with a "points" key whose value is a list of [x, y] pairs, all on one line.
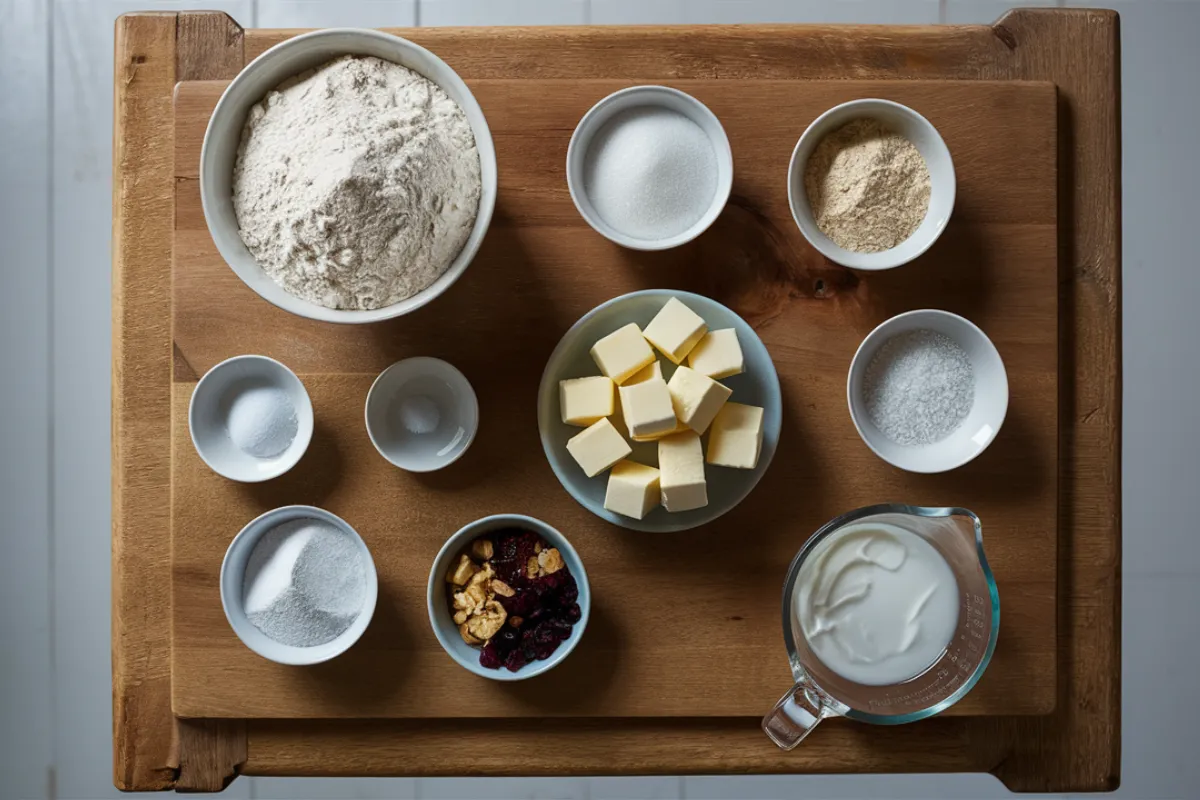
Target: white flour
{"points": [[356, 184]]}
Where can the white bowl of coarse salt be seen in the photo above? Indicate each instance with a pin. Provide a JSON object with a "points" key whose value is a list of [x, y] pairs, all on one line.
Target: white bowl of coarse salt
{"points": [[348, 175], [649, 167], [927, 391], [298, 585], [250, 418], [871, 184]]}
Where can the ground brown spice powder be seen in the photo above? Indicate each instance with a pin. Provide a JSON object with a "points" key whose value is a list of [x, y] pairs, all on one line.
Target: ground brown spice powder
{"points": [[867, 185]]}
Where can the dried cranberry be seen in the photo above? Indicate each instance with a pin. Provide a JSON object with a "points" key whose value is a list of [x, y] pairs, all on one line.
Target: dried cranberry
{"points": [[488, 657]]}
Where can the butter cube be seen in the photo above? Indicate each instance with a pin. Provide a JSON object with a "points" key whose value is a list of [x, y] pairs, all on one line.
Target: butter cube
{"points": [[681, 472], [633, 489], [598, 447], [647, 408], [645, 374], [654, 437], [718, 355], [675, 330], [622, 353], [736, 436], [697, 398], [583, 401]]}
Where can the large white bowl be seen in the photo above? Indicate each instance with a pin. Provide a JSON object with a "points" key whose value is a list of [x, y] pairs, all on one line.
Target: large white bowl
{"points": [[912, 126], [264, 73], [757, 386], [982, 422]]}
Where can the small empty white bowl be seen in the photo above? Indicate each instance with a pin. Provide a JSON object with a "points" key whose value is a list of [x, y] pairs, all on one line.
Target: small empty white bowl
{"points": [[642, 97], [422, 414], [208, 417], [982, 422], [928, 141], [233, 575]]}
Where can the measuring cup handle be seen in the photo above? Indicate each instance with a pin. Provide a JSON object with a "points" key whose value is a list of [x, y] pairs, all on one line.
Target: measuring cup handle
{"points": [[794, 716]]}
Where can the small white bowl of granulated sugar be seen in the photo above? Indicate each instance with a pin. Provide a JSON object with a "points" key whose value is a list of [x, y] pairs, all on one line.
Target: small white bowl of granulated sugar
{"points": [[871, 184], [927, 391], [298, 585]]}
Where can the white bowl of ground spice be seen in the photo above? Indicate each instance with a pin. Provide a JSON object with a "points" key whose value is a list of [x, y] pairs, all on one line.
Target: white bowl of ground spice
{"points": [[871, 184], [348, 175]]}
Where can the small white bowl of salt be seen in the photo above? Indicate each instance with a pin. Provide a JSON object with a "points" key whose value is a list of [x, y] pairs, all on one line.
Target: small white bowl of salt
{"points": [[298, 585], [927, 391], [250, 418], [649, 167]]}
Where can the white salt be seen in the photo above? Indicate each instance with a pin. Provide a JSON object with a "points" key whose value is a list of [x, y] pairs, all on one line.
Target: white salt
{"points": [[262, 421], [650, 173], [419, 414], [304, 583], [919, 387]]}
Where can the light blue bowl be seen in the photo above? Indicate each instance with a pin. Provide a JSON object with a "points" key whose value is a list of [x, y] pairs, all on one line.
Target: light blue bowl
{"points": [[757, 386], [439, 608]]}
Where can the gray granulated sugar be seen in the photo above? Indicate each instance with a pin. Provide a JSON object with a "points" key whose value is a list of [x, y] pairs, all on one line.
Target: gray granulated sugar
{"points": [[305, 583], [919, 387]]}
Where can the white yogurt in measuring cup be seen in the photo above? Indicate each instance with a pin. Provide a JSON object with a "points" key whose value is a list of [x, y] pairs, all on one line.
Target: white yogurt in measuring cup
{"points": [[876, 603]]}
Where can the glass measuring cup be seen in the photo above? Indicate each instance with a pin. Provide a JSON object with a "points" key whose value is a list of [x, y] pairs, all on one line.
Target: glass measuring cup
{"points": [[821, 692]]}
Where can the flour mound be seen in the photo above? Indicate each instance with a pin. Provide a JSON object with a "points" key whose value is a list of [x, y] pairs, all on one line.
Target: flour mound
{"points": [[356, 184]]}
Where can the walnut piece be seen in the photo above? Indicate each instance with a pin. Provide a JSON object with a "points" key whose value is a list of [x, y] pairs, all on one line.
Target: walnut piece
{"points": [[461, 616], [532, 568], [487, 624], [501, 588], [483, 549], [550, 561], [462, 570], [467, 636]]}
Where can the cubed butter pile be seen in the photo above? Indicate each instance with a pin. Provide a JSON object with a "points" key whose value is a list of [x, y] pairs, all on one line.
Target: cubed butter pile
{"points": [[631, 399]]}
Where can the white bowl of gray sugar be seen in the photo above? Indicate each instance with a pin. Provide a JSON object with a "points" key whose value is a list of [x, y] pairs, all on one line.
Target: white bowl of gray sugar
{"points": [[298, 585], [927, 391], [224, 134]]}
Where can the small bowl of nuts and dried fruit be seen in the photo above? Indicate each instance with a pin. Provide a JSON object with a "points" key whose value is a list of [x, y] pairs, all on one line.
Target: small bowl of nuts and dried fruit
{"points": [[508, 597]]}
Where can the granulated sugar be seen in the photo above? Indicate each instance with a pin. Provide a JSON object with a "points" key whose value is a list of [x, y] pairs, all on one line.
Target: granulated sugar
{"points": [[651, 173], [304, 583], [262, 421], [919, 387]]}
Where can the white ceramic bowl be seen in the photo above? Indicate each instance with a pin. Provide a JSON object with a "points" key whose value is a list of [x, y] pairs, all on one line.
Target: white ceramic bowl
{"points": [[928, 141], [208, 414], [640, 97], [439, 608], [422, 414], [982, 422], [757, 386], [263, 74], [233, 573]]}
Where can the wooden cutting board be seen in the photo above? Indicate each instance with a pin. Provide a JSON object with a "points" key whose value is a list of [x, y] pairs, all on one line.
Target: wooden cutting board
{"points": [[683, 625]]}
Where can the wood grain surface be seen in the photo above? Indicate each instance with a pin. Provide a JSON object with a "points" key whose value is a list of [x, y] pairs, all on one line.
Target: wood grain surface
{"points": [[1075, 748], [541, 267]]}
